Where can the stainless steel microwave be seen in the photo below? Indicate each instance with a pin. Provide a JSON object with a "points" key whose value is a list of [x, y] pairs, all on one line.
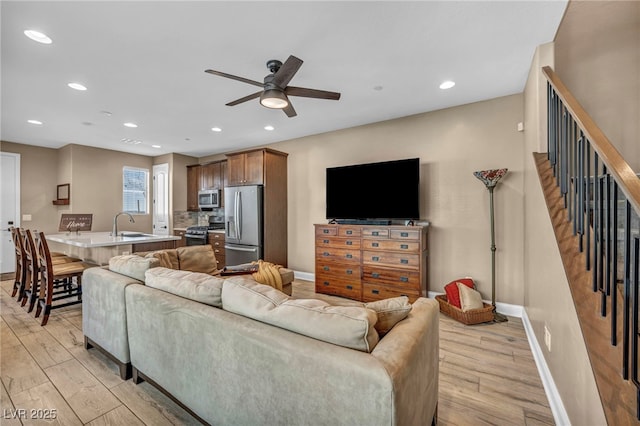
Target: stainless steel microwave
{"points": [[208, 198]]}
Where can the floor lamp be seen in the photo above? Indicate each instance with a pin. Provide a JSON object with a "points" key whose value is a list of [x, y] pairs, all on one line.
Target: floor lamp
{"points": [[490, 178]]}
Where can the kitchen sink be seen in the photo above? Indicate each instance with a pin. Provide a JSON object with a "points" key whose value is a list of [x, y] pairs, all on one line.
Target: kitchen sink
{"points": [[134, 234]]}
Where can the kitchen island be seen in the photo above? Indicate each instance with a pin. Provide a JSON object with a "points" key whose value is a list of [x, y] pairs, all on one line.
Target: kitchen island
{"points": [[99, 247]]}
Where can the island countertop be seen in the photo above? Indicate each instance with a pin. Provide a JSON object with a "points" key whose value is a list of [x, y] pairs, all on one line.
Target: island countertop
{"points": [[104, 239]]}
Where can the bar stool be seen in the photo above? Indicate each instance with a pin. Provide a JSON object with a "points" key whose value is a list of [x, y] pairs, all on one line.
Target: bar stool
{"points": [[32, 269], [49, 293], [21, 271]]}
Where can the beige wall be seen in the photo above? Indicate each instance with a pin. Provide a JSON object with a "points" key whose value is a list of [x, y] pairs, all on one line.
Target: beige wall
{"points": [[548, 301], [451, 145], [38, 180], [179, 179], [598, 58]]}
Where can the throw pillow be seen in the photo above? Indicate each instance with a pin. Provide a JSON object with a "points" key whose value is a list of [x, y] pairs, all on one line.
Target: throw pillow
{"points": [[453, 294], [348, 326], [390, 312], [163, 257], [198, 259], [469, 298]]}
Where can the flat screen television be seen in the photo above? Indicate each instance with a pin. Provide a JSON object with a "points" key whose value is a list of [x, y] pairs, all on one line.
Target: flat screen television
{"points": [[374, 191]]}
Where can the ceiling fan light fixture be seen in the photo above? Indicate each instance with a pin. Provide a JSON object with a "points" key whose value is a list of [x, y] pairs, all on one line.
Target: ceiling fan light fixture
{"points": [[274, 98]]}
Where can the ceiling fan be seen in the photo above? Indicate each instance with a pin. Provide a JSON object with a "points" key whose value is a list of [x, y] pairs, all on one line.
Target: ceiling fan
{"points": [[276, 92]]}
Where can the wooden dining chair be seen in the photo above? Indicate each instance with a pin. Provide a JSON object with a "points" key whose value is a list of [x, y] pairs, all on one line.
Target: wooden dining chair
{"points": [[32, 270], [69, 274], [21, 272]]}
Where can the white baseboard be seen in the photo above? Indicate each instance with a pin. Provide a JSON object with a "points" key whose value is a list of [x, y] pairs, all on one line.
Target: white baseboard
{"points": [[306, 276], [560, 415]]}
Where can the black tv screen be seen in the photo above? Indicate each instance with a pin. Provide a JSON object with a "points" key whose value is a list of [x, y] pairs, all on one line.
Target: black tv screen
{"points": [[386, 190]]}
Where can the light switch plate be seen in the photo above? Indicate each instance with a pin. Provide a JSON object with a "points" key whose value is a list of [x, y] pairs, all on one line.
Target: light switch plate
{"points": [[26, 217]]}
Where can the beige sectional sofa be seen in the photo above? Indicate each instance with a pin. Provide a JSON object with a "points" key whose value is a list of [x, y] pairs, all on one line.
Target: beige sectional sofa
{"points": [[235, 352]]}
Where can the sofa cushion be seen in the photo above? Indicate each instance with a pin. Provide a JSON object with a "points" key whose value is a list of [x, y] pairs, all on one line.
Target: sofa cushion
{"points": [[348, 326], [197, 259], [132, 266], [196, 286], [168, 258], [390, 312]]}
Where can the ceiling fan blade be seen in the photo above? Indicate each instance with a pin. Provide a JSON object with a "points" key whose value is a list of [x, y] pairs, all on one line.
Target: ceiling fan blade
{"points": [[289, 110], [245, 99], [235, 77], [286, 72], [311, 93]]}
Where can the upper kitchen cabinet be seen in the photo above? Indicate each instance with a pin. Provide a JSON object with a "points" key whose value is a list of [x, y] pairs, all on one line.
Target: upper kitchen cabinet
{"points": [[212, 176], [194, 179], [247, 168]]}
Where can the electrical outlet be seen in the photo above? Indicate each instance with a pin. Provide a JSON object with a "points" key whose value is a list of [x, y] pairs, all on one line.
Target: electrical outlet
{"points": [[26, 217], [547, 338]]}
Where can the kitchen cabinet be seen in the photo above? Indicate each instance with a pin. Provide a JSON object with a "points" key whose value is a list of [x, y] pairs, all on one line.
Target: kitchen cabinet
{"points": [[247, 168], [216, 239], [205, 176], [194, 174], [182, 241]]}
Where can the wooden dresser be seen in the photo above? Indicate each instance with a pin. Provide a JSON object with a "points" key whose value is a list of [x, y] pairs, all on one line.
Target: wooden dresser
{"points": [[369, 262]]}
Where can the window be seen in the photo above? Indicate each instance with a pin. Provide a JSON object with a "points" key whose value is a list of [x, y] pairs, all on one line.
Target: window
{"points": [[135, 190]]}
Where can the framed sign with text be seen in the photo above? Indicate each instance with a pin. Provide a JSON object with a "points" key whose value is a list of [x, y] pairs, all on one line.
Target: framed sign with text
{"points": [[75, 222]]}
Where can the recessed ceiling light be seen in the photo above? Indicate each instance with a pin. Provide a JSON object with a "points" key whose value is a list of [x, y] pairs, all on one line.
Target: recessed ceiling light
{"points": [[36, 122], [156, 146], [132, 125], [77, 86], [216, 129], [269, 128], [447, 84], [107, 113], [38, 36]]}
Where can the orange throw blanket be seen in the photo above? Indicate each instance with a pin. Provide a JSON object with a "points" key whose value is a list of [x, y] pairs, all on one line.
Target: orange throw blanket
{"points": [[268, 274]]}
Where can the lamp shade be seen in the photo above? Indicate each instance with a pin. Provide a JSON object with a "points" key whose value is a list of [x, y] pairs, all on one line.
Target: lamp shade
{"points": [[274, 98], [490, 177]]}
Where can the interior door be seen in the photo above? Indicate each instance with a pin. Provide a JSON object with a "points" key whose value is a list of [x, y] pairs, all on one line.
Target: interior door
{"points": [[161, 199], [9, 208]]}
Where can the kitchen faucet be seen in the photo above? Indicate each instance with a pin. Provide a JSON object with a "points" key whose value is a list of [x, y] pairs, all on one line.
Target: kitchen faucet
{"points": [[114, 232]]}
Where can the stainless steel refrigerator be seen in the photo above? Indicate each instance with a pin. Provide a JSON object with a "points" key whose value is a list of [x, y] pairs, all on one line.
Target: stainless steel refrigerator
{"points": [[243, 216]]}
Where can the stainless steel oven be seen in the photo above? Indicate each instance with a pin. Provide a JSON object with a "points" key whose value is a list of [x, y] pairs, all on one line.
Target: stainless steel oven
{"points": [[196, 235]]}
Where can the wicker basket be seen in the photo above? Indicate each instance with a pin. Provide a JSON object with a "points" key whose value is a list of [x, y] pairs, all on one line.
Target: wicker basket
{"points": [[474, 316]]}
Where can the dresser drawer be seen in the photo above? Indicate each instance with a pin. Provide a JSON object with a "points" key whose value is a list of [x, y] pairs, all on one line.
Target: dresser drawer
{"points": [[375, 232], [392, 259], [332, 254], [348, 232], [326, 230], [406, 246], [338, 242], [405, 279], [329, 284], [372, 292], [342, 271], [402, 234]]}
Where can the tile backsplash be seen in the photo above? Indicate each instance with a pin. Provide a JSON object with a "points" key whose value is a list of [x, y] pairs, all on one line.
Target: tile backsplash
{"points": [[184, 219]]}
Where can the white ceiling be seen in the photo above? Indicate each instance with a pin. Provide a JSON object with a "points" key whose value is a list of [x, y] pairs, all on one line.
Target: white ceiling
{"points": [[144, 62]]}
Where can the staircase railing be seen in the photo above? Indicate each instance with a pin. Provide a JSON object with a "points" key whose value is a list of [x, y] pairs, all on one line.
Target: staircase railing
{"points": [[602, 199]]}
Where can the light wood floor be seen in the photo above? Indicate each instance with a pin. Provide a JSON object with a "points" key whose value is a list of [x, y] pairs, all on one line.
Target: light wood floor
{"points": [[487, 374]]}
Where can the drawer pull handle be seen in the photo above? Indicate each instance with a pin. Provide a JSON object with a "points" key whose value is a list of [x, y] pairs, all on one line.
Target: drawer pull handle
{"points": [[375, 258], [375, 245], [326, 268], [349, 287], [404, 261], [404, 246], [349, 256], [375, 233], [375, 275], [404, 279], [349, 271], [349, 232], [326, 231], [325, 241], [326, 253], [326, 283], [349, 243], [404, 234], [375, 291]]}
